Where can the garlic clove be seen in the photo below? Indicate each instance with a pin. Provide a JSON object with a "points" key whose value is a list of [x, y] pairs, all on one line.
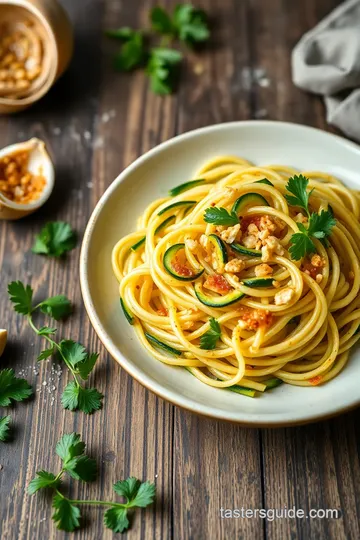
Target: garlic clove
{"points": [[3, 340], [39, 164]]}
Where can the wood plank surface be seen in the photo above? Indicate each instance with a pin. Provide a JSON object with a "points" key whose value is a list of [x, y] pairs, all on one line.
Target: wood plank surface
{"points": [[96, 122]]}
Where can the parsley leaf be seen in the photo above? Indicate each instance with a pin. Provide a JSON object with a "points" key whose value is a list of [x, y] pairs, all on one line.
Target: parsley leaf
{"points": [[220, 216], [42, 480], [161, 21], [137, 494], [320, 227], [125, 33], [5, 428], [133, 52], [72, 351], [116, 519], [85, 367], [56, 307], [162, 69], [21, 297], [12, 388], [297, 186], [55, 239], [46, 353], [301, 244], [191, 24], [69, 446], [66, 515], [81, 468], [75, 397], [209, 339]]}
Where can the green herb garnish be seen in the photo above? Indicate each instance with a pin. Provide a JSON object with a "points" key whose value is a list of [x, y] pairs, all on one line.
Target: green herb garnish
{"points": [[12, 388], [79, 362], [319, 225], [5, 428], [187, 23], [79, 466], [162, 69], [55, 239], [209, 339], [220, 216]]}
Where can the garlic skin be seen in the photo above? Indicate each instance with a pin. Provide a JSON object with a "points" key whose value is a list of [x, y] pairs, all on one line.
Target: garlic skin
{"points": [[39, 163], [3, 340]]}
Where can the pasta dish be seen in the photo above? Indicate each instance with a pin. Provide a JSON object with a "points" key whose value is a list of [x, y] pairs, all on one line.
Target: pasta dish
{"points": [[247, 276]]}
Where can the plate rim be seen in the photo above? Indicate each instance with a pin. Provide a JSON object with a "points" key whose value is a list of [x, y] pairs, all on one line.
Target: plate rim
{"points": [[116, 354]]}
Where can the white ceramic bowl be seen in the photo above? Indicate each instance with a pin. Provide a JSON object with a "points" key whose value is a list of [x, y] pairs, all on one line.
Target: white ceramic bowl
{"points": [[151, 176]]}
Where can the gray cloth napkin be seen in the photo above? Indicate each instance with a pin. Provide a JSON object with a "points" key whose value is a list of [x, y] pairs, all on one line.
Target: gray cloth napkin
{"points": [[326, 61]]}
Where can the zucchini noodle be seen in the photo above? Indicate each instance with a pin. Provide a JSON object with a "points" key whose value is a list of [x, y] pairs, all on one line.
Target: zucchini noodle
{"points": [[269, 318]]}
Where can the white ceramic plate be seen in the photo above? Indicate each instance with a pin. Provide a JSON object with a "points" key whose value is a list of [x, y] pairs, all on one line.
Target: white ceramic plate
{"points": [[150, 177]]}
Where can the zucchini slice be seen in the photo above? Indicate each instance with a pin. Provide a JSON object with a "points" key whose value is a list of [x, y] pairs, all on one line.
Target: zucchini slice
{"points": [[187, 185], [161, 226], [176, 205], [249, 199], [258, 282], [236, 388], [168, 258], [217, 301], [220, 248], [161, 345], [264, 181], [272, 383], [129, 316], [246, 251]]}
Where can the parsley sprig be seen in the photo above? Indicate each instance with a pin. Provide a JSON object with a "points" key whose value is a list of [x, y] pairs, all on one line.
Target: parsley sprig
{"points": [[11, 389], [77, 359], [55, 239], [221, 216], [319, 225], [79, 466], [210, 338], [186, 24]]}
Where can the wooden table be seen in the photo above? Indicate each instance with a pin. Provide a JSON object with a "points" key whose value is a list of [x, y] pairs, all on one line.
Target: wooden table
{"points": [[96, 122]]}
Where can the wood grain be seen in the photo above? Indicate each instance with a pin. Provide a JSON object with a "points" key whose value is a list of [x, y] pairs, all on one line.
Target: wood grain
{"points": [[95, 123]]}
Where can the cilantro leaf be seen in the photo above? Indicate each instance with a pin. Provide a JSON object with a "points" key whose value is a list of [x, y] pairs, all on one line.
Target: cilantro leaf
{"points": [[55, 239], [56, 307], [75, 397], [220, 216], [320, 225], [69, 446], [161, 21], [72, 351], [21, 297], [5, 428], [136, 493], [116, 519], [162, 69], [132, 53], [191, 24], [209, 339], [43, 479], [297, 186], [301, 244], [85, 367], [46, 353], [66, 515], [12, 388], [81, 468]]}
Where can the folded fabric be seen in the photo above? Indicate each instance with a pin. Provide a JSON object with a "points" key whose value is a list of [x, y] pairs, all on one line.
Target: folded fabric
{"points": [[326, 61]]}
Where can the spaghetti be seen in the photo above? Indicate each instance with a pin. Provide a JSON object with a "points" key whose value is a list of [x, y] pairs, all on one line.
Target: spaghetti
{"points": [[212, 282]]}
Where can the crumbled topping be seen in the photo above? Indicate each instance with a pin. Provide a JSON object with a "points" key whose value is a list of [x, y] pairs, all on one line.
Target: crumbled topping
{"points": [[234, 266], [230, 234], [217, 283], [300, 218], [191, 244], [252, 319], [272, 245], [262, 270], [284, 296]]}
